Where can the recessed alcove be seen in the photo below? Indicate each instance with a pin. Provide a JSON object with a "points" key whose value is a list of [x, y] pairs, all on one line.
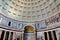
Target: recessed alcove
{"points": [[28, 29], [29, 33]]}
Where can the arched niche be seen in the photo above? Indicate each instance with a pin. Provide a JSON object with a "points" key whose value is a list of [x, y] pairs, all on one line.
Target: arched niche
{"points": [[29, 28]]}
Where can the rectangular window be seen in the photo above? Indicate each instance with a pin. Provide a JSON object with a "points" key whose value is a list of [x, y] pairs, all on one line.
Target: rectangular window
{"points": [[18, 26], [9, 24], [0, 20]]}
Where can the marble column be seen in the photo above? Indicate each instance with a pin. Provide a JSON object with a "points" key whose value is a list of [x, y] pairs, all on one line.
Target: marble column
{"points": [[22, 35], [57, 34], [52, 35], [9, 35]]}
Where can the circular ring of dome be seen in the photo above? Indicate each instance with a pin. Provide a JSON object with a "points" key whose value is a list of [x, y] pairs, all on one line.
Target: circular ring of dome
{"points": [[26, 12]]}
